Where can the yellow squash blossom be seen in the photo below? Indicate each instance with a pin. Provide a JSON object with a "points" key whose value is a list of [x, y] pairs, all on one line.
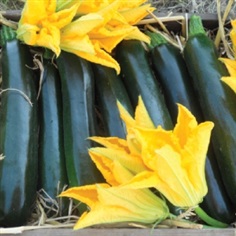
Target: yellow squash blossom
{"points": [[40, 24], [231, 63], [94, 38], [171, 161], [109, 205], [231, 67], [89, 29], [176, 160]]}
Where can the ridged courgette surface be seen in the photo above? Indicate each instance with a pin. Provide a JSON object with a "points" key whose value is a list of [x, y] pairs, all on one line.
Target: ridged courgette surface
{"points": [[79, 121], [52, 168], [18, 132], [109, 89], [216, 99], [139, 80]]}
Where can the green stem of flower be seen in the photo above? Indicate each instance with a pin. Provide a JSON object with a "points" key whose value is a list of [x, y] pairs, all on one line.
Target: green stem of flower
{"points": [[209, 220]]}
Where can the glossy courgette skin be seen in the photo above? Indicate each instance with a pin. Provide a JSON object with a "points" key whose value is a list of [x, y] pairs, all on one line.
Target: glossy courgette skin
{"points": [[79, 120], [171, 71], [217, 101], [52, 167], [18, 132], [139, 79], [109, 89]]}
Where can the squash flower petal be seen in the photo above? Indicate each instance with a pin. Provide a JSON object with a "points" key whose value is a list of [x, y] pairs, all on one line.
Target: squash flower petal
{"points": [[230, 81], [77, 44], [177, 160], [92, 6], [109, 37], [40, 24], [74, 35], [141, 116], [231, 67], [131, 4], [99, 57], [131, 162], [82, 26], [116, 205], [141, 119], [111, 142], [138, 35], [134, 15], [112, 170]]}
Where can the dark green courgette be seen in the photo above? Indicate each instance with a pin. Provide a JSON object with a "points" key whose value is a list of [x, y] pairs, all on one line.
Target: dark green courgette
{"points": [[79, 121], [216, 99], [18, 132], [171, 71], [52, 168], [139, 80], [110, 88]]}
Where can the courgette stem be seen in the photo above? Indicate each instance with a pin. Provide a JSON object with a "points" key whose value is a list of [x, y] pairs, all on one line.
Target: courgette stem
{"points": [[209, 220], [156, 39], [195, 26]]}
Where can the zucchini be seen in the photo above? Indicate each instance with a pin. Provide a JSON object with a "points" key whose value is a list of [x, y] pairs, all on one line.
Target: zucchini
{"points": [[79, 120], [171, 71], [109, 88], [18, 132], [52, 168], [216, 99], [139, 79]]}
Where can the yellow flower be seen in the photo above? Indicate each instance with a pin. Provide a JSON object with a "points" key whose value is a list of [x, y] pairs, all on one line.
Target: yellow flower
{"points": [[79, 31], [176, 160], [230, 63], [230, 81], [114, 160], [116, 205], [40, 24], [231, 67], [141, 119], [94, 38]]}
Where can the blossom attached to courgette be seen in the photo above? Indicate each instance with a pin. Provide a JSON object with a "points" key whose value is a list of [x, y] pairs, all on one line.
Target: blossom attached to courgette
{"points": [[176, 160]]}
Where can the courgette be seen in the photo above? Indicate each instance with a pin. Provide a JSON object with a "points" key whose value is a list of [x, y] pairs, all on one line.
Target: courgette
{"points": [[139, 79], [79, 120], [171, 71], [109, 88], [216, 99], [52, 169], [18, 132]]}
